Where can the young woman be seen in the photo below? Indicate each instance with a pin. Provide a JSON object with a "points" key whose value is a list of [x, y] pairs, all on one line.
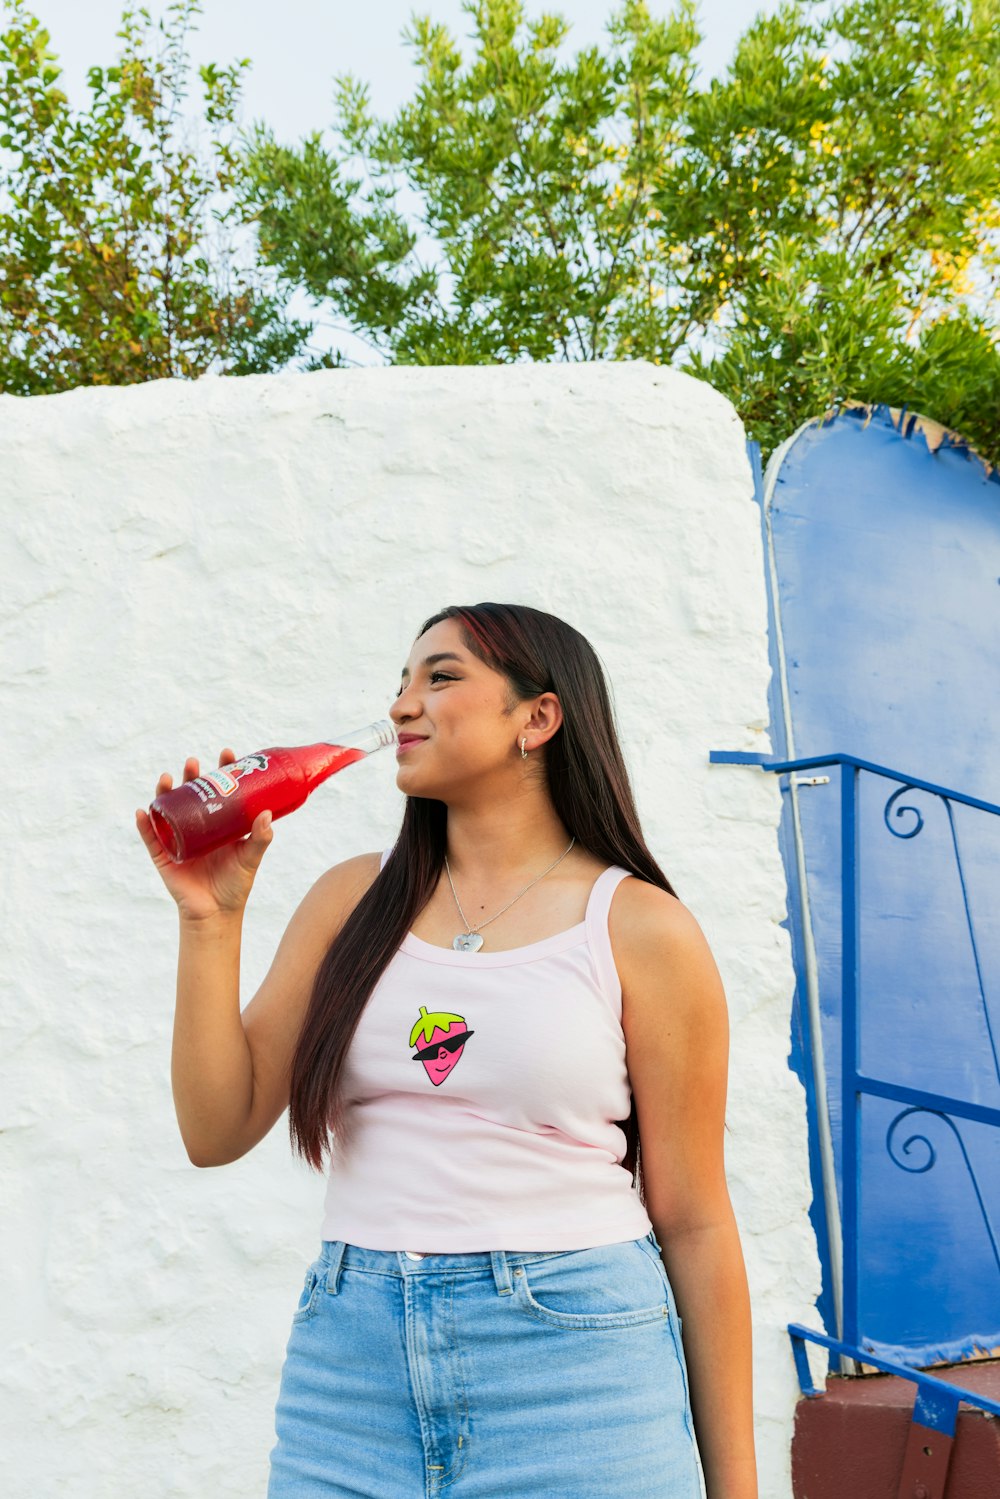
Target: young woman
{"points": [[482, 1025]]}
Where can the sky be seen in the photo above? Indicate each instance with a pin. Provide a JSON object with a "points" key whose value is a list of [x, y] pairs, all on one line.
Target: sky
{"points": [[297, 47]]}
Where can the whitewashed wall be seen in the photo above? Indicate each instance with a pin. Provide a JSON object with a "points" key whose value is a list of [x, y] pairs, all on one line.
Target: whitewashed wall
{"points": [[244, 562]]}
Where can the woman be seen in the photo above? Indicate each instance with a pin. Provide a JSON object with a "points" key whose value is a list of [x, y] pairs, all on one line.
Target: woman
{"points": [[495, 1305]]}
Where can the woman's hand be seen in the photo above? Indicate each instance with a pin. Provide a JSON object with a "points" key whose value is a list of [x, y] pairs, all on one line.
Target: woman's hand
{"points": [[217, 883]]}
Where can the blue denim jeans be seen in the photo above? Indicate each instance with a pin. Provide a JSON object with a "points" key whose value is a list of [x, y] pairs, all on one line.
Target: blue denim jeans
{"points": [[493, 1375]]}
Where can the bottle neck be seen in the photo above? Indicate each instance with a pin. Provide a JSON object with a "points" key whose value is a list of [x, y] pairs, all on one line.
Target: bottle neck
{"points": [[373, 736]]}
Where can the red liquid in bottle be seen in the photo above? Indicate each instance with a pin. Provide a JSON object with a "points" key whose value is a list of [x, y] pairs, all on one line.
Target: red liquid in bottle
{"points": [[219, 806]]}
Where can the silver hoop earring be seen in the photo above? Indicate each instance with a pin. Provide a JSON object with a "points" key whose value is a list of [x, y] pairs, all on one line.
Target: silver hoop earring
{"points": [[524, 755]]}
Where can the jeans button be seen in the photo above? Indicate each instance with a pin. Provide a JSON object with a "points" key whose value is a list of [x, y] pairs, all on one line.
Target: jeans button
{"points": [[411, 1254]]}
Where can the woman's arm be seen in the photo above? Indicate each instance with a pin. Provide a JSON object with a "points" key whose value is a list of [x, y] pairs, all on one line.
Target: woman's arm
{"points": [[232, 1070], [677, 1051], [705, 1266]]}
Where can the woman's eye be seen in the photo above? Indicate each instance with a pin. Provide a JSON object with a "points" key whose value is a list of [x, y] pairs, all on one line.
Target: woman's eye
{"points": [[443, 675]]}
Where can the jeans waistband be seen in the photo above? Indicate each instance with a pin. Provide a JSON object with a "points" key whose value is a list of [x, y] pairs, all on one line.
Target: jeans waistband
{"points": [[337, 1254]]}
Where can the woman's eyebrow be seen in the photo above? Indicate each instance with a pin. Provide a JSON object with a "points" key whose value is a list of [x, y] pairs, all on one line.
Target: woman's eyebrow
{"points": [[432, 660]]}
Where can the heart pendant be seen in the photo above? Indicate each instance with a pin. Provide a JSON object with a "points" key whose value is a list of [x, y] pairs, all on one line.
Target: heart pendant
{"points": [[467, 942]]}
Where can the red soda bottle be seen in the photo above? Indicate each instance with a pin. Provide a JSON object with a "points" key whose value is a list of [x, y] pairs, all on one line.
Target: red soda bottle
{"points": [[219, 806]]}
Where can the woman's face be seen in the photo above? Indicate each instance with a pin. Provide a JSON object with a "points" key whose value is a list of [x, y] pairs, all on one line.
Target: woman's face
{"points": [[457, 707]]}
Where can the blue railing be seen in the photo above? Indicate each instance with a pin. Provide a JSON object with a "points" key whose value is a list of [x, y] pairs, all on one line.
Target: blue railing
{"points": [[937, 1400]]}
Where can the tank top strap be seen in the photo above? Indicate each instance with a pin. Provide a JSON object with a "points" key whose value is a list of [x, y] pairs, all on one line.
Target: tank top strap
{"points": [[385, 854], [598, 936]]}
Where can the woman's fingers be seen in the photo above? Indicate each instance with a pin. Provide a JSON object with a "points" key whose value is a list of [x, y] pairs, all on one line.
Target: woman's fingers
{"points": [[253, 849], [191, 771], [147, 833]]}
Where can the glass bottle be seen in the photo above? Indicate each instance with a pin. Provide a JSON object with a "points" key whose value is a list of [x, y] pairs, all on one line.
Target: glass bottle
{"points": [[219, 806]]}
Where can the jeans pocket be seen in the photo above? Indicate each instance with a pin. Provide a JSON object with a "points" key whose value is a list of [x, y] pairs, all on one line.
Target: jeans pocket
{"points": [[651, 1248], [608, 1287], [309, 1297]]}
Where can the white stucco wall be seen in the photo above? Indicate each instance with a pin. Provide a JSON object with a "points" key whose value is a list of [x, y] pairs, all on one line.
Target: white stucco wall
{"points": [[243, 562]]}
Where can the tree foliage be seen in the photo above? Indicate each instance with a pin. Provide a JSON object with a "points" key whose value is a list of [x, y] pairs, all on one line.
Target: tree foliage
{"points": [[118, 254], [820, 224]]}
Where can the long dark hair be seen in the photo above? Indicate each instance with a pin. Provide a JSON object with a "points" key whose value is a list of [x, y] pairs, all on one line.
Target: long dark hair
{"points": [[589, 786]]}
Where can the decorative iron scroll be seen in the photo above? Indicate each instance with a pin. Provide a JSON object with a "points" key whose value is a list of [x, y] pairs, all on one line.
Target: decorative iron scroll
{"points": [[908, 786], [899, 812], [931, 1159]]}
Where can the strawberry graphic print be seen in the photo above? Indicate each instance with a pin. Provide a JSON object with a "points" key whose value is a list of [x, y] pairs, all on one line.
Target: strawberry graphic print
{"points": [[440, 1038]]}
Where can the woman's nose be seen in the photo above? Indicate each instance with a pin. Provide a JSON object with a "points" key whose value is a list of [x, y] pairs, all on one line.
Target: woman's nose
{"points": [[398, 709]]}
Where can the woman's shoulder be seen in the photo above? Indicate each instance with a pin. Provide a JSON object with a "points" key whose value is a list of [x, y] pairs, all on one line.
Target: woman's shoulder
{"points": [[358, 864], [660, 949], [646, 918], [346, 882]]}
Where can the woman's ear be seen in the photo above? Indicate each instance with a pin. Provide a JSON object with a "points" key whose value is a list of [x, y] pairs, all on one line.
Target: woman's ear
{"points": [[546, 718]]}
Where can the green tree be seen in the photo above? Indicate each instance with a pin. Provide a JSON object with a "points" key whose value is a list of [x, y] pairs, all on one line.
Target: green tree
{"points": [[853, 242], [819, 225], [119, 259]]}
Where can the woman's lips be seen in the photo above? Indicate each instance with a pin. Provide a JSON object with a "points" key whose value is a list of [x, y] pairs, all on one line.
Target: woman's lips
{"points": [[407, 744]]}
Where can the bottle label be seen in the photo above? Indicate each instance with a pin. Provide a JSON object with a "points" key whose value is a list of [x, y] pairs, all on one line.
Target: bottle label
{"points": [[226, 780], [222, 782]]}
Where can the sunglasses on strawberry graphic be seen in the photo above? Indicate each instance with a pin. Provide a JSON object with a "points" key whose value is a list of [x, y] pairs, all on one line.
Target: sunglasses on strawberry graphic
{"points": [[447, 1043]]}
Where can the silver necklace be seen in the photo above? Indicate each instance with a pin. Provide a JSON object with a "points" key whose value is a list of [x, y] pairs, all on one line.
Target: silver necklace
{"points": [[470, 940]]}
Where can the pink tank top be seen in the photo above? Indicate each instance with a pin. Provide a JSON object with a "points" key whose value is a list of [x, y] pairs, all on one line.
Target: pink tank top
{"points": [[482, 1091]]}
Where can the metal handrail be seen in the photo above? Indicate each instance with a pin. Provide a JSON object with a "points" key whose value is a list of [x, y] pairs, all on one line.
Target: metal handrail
{"points": [[937, 1400]]}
